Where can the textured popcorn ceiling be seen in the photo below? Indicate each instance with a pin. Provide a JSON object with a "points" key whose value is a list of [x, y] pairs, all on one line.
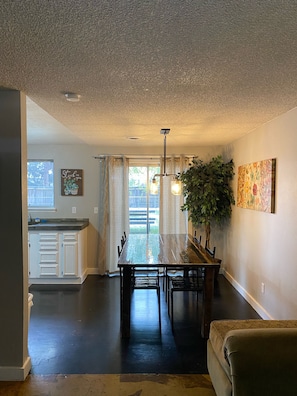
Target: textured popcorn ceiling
{"points": [[210, 70]]}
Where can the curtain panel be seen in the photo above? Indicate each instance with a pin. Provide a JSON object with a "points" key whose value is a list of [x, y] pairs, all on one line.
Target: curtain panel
{"points": [[113, 212]]}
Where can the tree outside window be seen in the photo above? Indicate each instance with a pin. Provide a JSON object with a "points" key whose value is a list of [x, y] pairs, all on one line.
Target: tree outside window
{"points": [[40, 180]]}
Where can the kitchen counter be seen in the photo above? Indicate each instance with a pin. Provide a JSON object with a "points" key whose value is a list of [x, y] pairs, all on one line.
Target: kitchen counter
{"points": [[58, 224]]}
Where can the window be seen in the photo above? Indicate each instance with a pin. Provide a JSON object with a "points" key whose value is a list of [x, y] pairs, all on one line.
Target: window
{"points": [[40, 178], [143, 207]]}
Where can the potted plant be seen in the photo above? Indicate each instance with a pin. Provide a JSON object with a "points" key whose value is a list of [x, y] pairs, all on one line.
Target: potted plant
{"points": [[208, 192], [70, 186]]}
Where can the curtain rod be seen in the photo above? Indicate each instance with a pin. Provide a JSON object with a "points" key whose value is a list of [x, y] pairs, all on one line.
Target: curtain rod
{"points": [[130, 156], [99, 156]]}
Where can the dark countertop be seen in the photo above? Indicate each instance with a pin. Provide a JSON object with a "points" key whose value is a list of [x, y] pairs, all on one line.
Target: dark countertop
{"points": [[58, 224]]}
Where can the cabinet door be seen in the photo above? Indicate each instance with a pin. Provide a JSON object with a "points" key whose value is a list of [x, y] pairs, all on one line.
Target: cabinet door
{"points": [[70, 254], [33, 254], [29, 253]]}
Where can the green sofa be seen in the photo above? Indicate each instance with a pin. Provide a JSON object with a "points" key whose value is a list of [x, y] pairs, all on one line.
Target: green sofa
{"points": [[253, 357]]}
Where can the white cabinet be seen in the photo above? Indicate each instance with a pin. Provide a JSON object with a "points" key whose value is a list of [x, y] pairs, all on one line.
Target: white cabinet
{"points": [[33, 254], [70, 254], [57, 256]]}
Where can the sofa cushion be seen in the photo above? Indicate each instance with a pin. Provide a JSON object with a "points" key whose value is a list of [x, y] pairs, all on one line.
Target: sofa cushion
{"points": [[219, 330], [263, 361]]}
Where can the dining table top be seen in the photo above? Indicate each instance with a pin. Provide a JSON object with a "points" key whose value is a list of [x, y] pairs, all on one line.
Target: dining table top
{"points": [[164, 250]]}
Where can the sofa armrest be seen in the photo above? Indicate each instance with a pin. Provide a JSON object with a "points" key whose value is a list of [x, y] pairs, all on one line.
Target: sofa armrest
{"points": [[262, 361]]}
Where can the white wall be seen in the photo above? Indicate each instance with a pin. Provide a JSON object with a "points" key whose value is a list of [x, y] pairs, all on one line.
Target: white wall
{"points": [[262, 247]]}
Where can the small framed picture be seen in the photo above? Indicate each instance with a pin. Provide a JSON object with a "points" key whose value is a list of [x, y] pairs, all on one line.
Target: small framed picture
{"points": [[71, 182]]}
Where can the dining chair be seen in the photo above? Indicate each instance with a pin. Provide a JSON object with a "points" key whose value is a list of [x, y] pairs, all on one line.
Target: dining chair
{"points": [[177, 272], [170, 273], [123, 240], [186, 281], [212, 252], [145, 274], [191, 281], [120, 248], [121, 282], [148, 282], [136, 271], [197, 240], [142, 279]]}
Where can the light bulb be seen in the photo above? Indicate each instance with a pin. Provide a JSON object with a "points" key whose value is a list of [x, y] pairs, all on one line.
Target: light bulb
{"points": [[154, 187], [176, 187]]}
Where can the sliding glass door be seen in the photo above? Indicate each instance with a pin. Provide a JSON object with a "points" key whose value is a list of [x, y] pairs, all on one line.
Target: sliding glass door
{"points": [[143, 206]]}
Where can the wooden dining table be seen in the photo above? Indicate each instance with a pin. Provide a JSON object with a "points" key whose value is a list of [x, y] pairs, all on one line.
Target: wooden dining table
{"points": [[170, 251]]}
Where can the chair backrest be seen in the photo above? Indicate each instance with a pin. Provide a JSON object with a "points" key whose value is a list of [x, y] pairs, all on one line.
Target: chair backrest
{"points": [[196, 239], [123, 241], [119, 251], [210, 252]]}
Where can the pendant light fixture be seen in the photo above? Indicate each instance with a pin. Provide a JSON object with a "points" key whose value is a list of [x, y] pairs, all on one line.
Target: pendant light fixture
{"points": [[176, 186]]}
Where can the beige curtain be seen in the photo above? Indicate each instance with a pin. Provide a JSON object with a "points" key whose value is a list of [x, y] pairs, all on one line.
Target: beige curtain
{"points": [[172, 219], [113, 210]]}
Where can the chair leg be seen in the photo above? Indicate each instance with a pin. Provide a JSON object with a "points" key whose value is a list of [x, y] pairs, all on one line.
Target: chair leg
{"points": [[168, 300], [159, 304], [166, 287], [121, 297], [171, 309]]}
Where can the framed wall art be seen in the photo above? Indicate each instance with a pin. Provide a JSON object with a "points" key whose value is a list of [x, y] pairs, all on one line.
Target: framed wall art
{"points": [[256, 186], [71, 182]]}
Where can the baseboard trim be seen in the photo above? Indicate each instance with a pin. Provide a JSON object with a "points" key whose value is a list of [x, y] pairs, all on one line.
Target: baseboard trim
{"points": [[248, 297], [15, 373], [84, 276]]}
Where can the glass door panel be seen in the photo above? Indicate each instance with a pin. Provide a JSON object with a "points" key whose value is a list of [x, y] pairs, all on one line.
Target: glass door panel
{"points": [[143, 206]]}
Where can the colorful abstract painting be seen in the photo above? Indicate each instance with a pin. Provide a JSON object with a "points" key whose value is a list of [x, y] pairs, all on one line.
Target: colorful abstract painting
{"points": [[256, 186]]}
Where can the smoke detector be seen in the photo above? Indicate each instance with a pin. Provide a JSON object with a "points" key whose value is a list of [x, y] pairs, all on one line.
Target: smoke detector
{"points": [[72, 97]]}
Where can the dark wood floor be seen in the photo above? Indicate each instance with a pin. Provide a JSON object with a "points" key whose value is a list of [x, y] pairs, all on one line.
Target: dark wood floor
{"points": [[76, 329]]}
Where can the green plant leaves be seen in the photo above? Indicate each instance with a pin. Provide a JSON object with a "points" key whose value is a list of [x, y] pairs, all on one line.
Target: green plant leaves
{"points": [[207, 190]]}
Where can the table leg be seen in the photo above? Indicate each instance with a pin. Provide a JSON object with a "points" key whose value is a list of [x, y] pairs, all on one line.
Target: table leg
{"points": [[207, 300], [126, 302]]}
